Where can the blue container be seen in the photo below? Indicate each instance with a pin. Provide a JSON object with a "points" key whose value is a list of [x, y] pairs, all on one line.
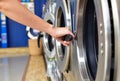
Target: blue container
{"points": [[0, 31], [4, 43]]}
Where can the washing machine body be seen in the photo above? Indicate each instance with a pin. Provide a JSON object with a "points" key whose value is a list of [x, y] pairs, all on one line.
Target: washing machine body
{"points": [[91, 50], [62, 19]]}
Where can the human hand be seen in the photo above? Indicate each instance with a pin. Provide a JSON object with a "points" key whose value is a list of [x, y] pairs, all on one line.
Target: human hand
{"points": [[59, 32]]}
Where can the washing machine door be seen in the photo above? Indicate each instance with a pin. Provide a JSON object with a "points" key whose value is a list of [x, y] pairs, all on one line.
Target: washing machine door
{"points": [[48, 41], [62, 19], [116, 19], [91, 50]]}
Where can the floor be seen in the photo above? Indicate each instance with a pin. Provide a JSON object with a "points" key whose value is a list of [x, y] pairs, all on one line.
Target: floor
{"points": [[12, 68], [21, 66], [36, 69]]}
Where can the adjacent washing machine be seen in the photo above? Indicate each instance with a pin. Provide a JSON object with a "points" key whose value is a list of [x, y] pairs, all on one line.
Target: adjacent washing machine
{"points": [[57, 56], [62, 19], [49, 44]]}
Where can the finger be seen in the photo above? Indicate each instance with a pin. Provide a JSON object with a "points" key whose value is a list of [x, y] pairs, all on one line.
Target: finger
{"points": [[62, 42], [66, 43]]}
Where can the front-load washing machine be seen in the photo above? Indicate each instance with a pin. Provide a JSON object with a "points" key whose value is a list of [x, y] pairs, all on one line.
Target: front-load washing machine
{"points": [[91, 51]]}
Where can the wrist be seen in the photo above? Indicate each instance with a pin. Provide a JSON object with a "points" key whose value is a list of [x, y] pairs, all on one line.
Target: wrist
{"points": [[51, 30]]}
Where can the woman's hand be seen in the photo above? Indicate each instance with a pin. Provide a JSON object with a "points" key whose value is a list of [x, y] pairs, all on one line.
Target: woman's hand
{"points": [[59, 32]]}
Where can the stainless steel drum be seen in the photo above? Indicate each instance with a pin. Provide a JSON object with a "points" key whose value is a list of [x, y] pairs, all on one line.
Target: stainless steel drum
{"points": [[91, 51], [116, 19], [62, 19]]}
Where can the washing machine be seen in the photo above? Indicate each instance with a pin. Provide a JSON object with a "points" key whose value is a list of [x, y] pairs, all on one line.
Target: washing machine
{"points": [[49, 49], [92, 50], [94, 53], [63, 19]]}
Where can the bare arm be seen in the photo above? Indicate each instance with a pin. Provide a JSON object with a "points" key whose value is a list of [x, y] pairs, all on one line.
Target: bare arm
{"points": [[16, 11]]}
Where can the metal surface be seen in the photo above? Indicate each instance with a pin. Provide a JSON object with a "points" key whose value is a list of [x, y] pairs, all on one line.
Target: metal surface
{"points": [[49, 44], [62, 19], [116, 18], [53, 71], [48, 41], [79, 59]]}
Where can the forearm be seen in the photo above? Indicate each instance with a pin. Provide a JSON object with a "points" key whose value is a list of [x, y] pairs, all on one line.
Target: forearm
{"points": [[14, 10]]}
